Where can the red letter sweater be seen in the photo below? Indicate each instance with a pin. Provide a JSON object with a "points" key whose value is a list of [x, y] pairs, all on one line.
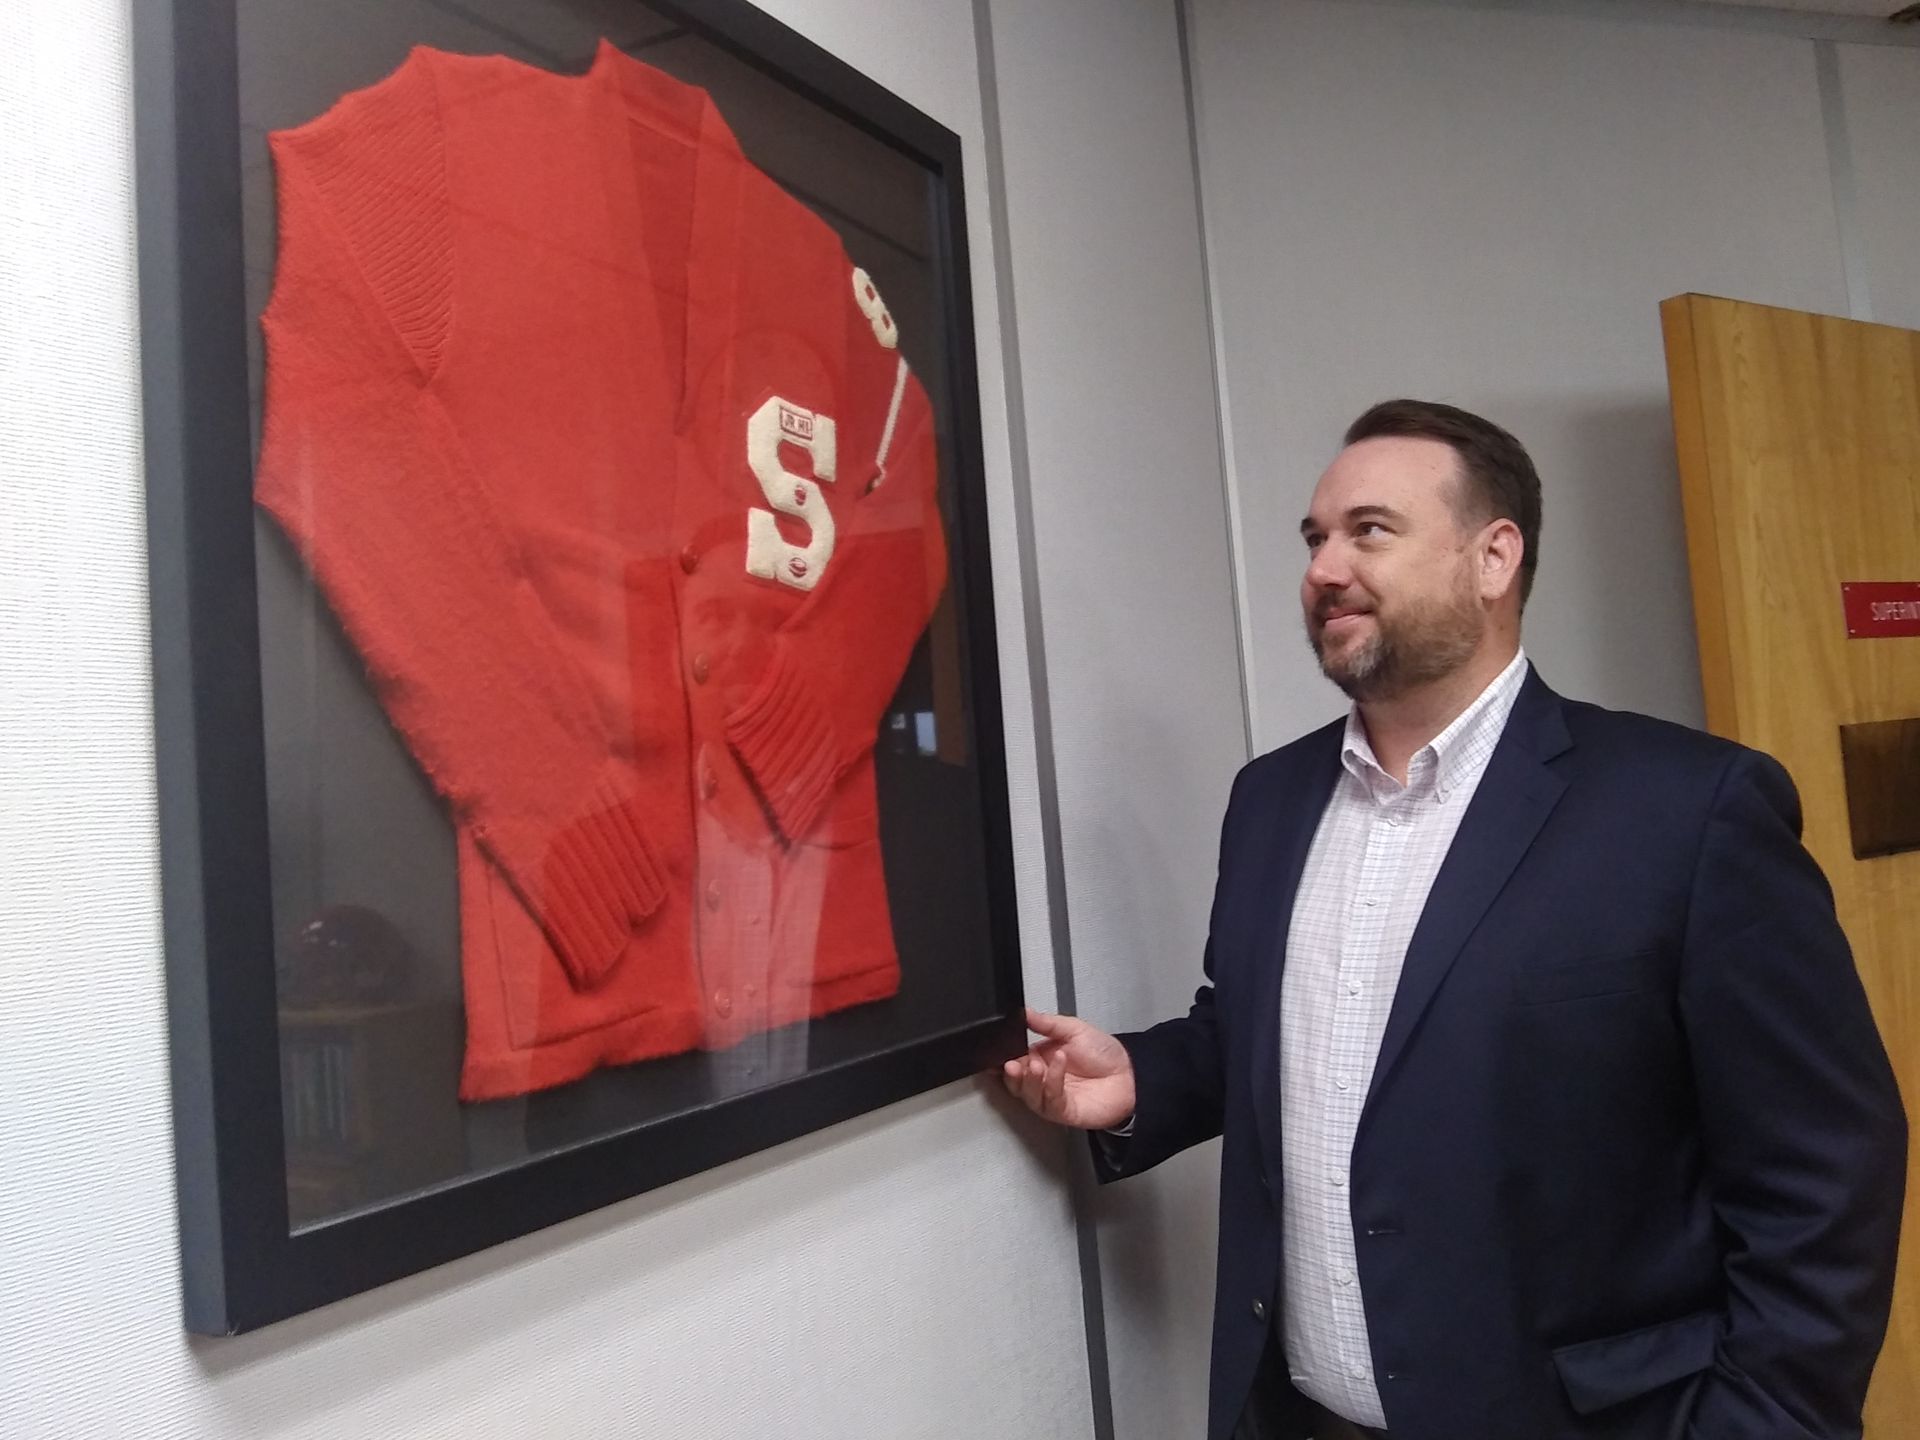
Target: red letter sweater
{"points": [[605, 455]]}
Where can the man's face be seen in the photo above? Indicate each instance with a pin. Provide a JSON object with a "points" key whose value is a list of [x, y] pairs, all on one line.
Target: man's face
{"points": [[1390, 595]]}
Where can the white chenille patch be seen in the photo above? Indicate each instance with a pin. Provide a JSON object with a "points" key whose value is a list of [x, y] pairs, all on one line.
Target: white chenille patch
{"points": [[893, 419], [770, 555], [867, 297]]}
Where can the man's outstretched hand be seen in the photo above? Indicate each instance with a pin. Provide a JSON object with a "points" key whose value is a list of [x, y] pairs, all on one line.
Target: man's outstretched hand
{"points": [[1073, 1074]]}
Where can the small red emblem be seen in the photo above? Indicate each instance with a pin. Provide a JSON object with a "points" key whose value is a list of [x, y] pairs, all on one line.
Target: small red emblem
{"points": [[1880, 610]]}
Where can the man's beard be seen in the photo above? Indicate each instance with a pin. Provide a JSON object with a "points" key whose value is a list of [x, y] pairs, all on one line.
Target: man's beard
{"points": [[1427, 642]]}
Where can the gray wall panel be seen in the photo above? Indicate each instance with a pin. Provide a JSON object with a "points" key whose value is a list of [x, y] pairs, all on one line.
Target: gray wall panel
{"points": [[1486, 206], [1131, 533], [1881, 89]]}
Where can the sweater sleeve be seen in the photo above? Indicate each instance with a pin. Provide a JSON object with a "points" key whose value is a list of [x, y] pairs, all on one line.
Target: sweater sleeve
{"points": [[363, 469], [816, 707]]}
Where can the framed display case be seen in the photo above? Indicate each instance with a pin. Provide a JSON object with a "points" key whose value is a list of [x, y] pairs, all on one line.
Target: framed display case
{"points": [[577, 709]]}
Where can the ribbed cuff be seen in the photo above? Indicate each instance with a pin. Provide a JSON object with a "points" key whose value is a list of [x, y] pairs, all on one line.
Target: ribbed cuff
{"points": [[601, 881], [786, 743]]}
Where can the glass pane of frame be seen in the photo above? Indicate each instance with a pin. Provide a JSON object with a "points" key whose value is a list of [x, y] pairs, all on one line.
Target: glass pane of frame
{"points": [[621, 751]]}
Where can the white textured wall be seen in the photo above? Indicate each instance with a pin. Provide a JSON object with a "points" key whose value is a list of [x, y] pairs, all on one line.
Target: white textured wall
{"points": [[1486, 205], [1130, 524], [910, 1274]]}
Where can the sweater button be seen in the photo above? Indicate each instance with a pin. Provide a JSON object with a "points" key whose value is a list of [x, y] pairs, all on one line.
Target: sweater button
{"points": [[1259, 1309], [722, 1004], [689, 559], [713, 895], [702, 667], [709, 782]]}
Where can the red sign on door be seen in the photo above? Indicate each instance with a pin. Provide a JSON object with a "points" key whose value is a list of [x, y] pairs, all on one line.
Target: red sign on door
{"points": [[1878, 609]]}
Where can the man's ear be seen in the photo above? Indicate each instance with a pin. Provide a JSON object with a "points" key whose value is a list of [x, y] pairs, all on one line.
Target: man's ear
{"points": [[1501, 551]]}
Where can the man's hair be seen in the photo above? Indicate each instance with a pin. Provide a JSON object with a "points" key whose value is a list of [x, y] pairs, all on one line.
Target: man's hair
{"points": [[1497, 478]]}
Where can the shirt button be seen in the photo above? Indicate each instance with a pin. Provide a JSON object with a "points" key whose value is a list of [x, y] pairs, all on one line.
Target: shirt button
{"points": [[1259, 1309], [1340, 1082], [722, 1004], [1353, 987], [689, 559], [702, 667], [713, 895], [1338, 1181], [1357, 1372], [1369, 903], [1345, 1277]]}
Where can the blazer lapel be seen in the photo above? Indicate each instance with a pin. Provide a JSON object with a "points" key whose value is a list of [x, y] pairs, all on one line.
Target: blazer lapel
{"points": [[1515, 796], [1290, 836]]}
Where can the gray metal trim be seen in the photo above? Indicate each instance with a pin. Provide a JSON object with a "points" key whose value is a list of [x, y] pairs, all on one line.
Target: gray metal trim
{"points": [[1846, 208], [1078, 1165], [1802, 24], [1222, 417]]}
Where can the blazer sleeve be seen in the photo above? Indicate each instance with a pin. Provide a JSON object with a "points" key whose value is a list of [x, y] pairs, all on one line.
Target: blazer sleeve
{"points": [[363, 469], [1179, 1065], [1805, 1139], [816, 707], [1177, 1084]]}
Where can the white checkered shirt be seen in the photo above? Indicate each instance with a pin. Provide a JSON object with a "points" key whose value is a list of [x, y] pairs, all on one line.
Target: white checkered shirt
{"points": [[1374, 858]]}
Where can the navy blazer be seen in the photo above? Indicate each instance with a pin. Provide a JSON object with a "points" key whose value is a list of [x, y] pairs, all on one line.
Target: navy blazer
{"points": [[1632, 1162]]}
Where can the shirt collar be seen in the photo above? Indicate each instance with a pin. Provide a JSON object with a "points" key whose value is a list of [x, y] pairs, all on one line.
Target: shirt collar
{"points": [[1468, 741]]}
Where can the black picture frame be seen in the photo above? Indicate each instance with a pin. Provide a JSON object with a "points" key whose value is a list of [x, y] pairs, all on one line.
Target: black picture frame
{"points": [[244, 1264]]}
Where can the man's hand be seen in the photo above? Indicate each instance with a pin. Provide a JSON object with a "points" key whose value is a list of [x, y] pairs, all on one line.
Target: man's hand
{"points": [[1074, 1074]]}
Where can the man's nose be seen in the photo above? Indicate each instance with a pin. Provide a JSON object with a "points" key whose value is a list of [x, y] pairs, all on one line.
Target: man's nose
{"points": [[1327, 567]]}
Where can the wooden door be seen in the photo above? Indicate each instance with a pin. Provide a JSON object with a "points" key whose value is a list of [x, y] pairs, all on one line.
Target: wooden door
{"points": [[1799, 440]]}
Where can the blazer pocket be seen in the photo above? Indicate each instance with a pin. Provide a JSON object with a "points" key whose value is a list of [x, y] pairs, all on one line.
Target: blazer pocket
{"points": [[1538, 984], [1617, 1368]]}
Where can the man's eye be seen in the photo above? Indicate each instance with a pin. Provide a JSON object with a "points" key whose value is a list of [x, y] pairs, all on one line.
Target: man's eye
{"points": [[1369, 528]]}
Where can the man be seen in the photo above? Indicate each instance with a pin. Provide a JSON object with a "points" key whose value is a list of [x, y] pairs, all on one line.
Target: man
{"points": [[1552, 1106]]}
